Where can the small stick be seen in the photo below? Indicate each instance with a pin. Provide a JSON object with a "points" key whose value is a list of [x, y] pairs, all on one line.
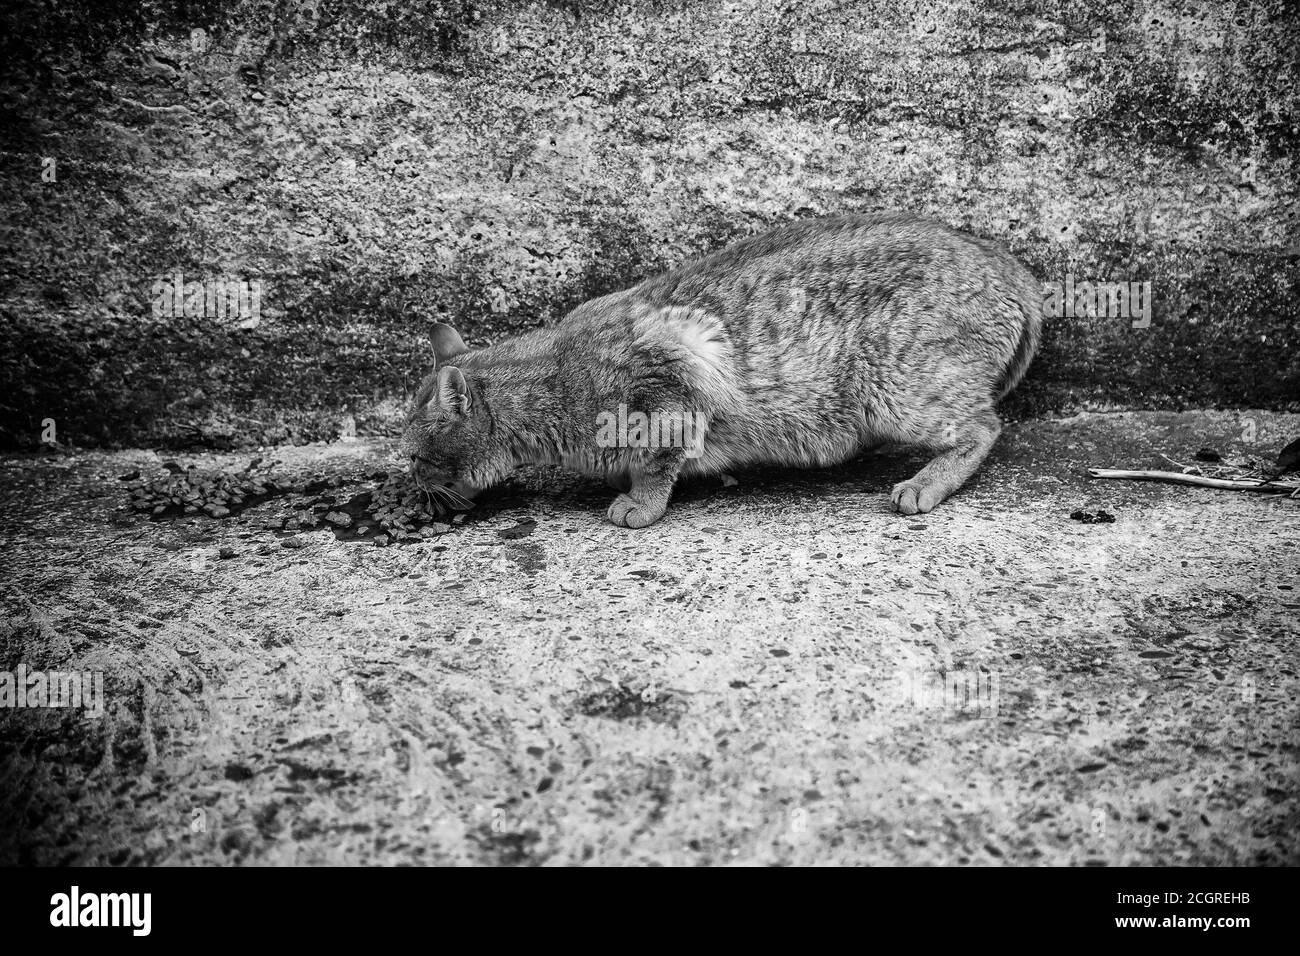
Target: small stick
{"points": [[1253, 484]]}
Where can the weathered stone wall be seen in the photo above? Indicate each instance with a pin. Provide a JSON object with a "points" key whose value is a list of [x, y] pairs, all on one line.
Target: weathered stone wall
{"points": [[378, 165]]}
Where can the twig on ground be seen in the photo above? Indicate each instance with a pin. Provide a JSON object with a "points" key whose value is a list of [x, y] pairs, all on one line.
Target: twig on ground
{"points": [[1183, 478]]}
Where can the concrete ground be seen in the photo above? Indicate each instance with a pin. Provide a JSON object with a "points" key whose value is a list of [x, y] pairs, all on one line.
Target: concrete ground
{"points": [[781, 671]]}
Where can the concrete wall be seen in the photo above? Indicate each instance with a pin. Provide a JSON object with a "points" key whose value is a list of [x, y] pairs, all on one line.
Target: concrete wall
{"points": [[493, 164]]}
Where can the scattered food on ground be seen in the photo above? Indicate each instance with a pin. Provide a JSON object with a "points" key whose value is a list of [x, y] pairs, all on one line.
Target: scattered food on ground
{"points": [[213, 492], [522, 530], [394, 510]]}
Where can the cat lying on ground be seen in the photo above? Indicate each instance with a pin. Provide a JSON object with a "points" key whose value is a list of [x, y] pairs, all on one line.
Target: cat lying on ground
{"points": [[802, 346]]}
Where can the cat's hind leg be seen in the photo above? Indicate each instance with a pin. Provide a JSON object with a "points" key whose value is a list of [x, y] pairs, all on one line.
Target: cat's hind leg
{"points": [[962, 446]]}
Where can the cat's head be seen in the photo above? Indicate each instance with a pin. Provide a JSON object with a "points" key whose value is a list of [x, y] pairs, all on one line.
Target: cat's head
{"points": [[448, 434]]}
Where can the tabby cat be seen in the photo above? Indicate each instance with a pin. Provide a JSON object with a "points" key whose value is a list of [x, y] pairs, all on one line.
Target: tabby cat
{"points": [[802, 346]]}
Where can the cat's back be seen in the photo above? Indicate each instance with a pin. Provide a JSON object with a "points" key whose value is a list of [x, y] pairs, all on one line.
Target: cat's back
{"points": [[851, 262], [881, 246], [843, 304]]}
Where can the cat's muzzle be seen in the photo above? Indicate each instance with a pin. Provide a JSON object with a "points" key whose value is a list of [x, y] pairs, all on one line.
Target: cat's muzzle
{"points": [[456, 495], [426, 474]]}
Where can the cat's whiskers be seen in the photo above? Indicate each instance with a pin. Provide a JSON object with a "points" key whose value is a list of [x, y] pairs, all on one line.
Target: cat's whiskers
{"points": [[454, 498]]}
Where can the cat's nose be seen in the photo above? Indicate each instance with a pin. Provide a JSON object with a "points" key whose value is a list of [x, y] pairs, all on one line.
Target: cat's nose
{"points": [[424, 472]]}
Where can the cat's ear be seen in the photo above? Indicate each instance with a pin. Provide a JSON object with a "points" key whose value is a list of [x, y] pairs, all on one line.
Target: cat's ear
{"points": [[453, 391], [447, 343]]}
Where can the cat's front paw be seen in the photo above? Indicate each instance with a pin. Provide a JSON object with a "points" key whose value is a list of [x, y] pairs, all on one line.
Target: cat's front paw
{"points": [[910, 499], [627, 512]]}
